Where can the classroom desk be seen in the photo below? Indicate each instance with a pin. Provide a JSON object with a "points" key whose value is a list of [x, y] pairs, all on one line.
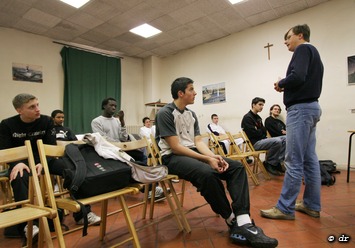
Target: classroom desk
{"points": [[352, 132]]}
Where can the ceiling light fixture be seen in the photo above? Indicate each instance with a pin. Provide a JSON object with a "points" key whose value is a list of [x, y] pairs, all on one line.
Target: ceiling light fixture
{"points": [[236, 1], [75, 3], [145, 30]]}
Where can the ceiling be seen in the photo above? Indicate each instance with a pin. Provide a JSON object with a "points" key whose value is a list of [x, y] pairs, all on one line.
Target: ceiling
{"points": [[105, 24]]}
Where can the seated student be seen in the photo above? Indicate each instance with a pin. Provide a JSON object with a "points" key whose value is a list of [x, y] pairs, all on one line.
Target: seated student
{"points": [[252, 124], [273, 124], [62, 133], [66, 134], [114, 130], [186, 155], [216, 129], [31, 125], [146, 130]]}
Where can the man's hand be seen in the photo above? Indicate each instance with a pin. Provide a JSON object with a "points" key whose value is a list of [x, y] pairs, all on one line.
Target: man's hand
{"points": [[277, 88], [18, 169], [120, 115], [39, 168], [218, 163]]}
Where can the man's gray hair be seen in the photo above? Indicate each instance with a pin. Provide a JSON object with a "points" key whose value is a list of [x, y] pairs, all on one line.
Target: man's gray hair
{"points": [[21, 99]]}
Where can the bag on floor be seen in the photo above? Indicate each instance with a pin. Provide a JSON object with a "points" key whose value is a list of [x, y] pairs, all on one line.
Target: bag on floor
{"points": [[326, 177]]}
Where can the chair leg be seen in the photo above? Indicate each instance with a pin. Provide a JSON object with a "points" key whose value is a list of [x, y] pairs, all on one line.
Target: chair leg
{"points": [[250, 173], [182, 196], [103, 223], [129, 222], [260, 165]]}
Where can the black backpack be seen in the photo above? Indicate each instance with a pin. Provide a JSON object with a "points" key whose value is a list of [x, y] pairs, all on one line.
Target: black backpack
{"points": [[327, 169], [87, 174]]}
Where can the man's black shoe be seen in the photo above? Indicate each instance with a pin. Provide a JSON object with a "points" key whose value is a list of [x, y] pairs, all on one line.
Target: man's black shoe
{"points": [[236, 238], [279, 168], [254, 235], [271, 169]]}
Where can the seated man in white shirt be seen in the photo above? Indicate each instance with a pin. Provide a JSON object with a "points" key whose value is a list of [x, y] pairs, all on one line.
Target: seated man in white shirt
{"points": [[146, 130], [217, 130]]}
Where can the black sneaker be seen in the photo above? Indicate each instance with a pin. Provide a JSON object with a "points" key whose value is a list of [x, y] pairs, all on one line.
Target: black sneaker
{"points": [[254, 235], [280, 168], [271, 169], [236, 238]]}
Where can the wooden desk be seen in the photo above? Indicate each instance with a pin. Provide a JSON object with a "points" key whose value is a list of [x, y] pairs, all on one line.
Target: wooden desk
{"points": [[352, 132]]}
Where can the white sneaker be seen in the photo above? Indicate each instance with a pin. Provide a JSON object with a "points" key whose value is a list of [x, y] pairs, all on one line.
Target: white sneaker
{"points": [[159, 193], [92, 219], [56, 188], [175, 180], [35, 231]]}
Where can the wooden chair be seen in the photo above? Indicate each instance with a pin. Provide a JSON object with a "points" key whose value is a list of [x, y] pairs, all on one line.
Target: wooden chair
{"points": [[242, 157], [171, 195], [248, 148], [71, 205], [5, 186], [32, 208]]}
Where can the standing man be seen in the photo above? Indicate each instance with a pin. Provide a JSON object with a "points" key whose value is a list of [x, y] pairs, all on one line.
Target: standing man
{"points": [[187, 156], [252, 125], [302, 87]]}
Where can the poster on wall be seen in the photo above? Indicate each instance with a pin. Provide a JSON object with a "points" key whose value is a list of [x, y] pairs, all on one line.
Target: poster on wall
{"points": [[214, 93], [351, 70], [27, 73]]}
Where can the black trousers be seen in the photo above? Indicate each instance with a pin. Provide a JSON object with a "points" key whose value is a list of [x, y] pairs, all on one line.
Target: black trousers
{"points": [[209, 182]]}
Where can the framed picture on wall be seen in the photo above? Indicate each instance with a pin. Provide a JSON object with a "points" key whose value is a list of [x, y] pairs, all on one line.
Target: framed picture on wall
{"points": [[26, 72], [214, 93], [351, 70]]}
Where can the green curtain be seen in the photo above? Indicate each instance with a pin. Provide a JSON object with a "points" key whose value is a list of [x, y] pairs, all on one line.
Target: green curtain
{"points": [[88, 79]]}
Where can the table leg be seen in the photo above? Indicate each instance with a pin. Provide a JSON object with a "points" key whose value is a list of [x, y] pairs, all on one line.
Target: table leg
{"points": [[349, 155]]}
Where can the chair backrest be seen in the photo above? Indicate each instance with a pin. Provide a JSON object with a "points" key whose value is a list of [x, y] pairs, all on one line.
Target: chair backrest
{"points": [[155, 149], [215, 140], [138, 144], [249, 145]]}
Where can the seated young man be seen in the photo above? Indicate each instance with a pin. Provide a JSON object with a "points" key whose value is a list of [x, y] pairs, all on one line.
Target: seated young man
{"points": [[187, 156], [252, 125], [29, 124]]}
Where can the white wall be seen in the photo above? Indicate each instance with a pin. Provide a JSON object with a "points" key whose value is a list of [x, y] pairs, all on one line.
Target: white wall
{"points": [[241, 62], [26, 48]]}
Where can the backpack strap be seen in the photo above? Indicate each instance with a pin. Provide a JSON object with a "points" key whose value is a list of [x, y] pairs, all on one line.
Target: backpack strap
{"points": [[73, 152]]}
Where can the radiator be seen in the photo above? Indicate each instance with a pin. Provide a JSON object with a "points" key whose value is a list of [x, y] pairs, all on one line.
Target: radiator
{"points": [[133, 129]]}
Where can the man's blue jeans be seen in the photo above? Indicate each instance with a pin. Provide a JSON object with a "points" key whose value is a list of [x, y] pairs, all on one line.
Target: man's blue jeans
{"points": [[301, 159], [275, 149]]}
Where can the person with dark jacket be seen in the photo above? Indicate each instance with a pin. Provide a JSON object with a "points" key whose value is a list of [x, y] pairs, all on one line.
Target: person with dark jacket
{"points": [[62, 132], [252, 125], [273, 124]]}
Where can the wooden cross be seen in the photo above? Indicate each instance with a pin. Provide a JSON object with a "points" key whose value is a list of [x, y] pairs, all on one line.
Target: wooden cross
{"points": [[268, 49]]}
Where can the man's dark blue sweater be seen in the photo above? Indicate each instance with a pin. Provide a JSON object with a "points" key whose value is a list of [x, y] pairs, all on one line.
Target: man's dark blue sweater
{"points": [[303, 82]]}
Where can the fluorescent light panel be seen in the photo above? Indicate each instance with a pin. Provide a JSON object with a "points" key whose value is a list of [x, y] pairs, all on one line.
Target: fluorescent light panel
{"points": [[236, 1], [75, 3], [145, 30]]}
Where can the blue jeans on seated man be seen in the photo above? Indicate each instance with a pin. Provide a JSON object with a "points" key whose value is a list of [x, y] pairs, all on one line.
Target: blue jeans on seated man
{"points": [[275, 146], [301, 159]]}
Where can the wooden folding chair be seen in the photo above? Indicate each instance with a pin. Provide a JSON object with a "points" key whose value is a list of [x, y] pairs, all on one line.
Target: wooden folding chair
{"points": [[248, 148], [171, 196], [232, 155], [71, 205], [31, 208], [5, 186]]}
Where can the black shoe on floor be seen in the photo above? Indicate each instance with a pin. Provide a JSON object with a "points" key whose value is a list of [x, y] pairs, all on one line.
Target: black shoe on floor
{"points": [[279, 168], [271, 169], [236, 238], [254, 235]]}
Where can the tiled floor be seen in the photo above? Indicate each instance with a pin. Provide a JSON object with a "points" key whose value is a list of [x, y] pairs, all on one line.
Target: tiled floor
{"points": [[208, 230]]}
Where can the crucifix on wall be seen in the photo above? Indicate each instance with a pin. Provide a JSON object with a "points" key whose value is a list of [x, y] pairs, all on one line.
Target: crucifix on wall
{"points": [[268, 49]]}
